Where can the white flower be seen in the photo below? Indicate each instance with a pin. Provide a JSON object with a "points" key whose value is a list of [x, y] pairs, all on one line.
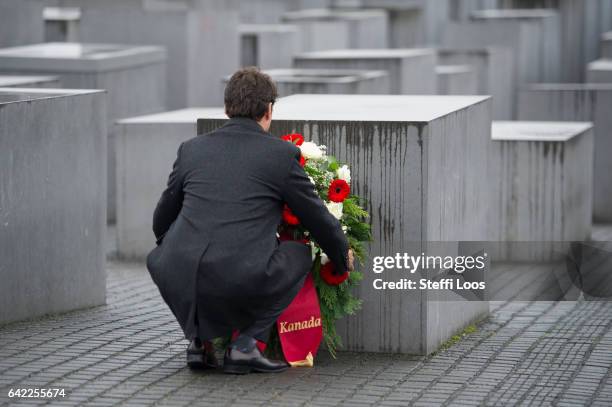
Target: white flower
{"points": [[311, 151], [344, 173], [324, 259], [344, 228], [335, 208], [313, 251], [312, 180]]}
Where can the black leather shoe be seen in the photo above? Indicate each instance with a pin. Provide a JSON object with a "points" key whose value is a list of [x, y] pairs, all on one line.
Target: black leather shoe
{"points": [[238, 362], [199, 358]]}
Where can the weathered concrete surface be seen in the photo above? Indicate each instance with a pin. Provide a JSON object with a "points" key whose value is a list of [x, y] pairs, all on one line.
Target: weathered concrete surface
{"points": [[411, 71], [21, 81], [146, 149], [599, 71], [494, 67], [456, 80], [412, 23], [329, 81], [324, 29], [52, 201], [606, 45], [544, 32], [62, 24], [132, 75], [200, 37], [542, 189], [418, 163], [268, 46], [21, 22], [579, 102]]}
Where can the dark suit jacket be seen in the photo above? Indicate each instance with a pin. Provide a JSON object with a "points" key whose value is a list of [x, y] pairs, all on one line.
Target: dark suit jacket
{"points": [[216, 226]]}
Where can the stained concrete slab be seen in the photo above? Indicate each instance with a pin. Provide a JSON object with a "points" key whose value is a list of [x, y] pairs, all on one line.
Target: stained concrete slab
{"points": [[599, 71], [133, 76], [579, 102], [543, 190], [544, 33], [52, 201], [324, 29], [269, 46], [411, 71], [424, 186], [62, 24], [535, 49], [582, 23], [456, 80], [200, 37], [412, 23], [494, 67], [328, 81]]}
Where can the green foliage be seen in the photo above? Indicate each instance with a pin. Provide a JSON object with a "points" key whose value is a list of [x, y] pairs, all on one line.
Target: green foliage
{"points": [[336, 302]]}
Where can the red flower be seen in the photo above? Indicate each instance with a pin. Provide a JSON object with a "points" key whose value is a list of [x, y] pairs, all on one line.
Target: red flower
{"points": [[302, 161], [289, 217], [327, 274], [339, 190], [296, 139]]}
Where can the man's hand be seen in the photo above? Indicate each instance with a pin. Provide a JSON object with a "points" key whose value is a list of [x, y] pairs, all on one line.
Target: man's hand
{"points": [[351, 260]]}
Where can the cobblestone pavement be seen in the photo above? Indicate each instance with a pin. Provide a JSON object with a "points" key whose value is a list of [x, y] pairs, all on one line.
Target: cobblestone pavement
{"points": [[131, 352]]}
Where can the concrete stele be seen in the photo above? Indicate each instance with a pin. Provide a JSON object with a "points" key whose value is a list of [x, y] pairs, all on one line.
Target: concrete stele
{"points": [[579, 102], [324, 29], [542, 191], [52, 201], [456, 80], [418, 162], [133, 76], [268, 46], [411, 71], [599, 71]]}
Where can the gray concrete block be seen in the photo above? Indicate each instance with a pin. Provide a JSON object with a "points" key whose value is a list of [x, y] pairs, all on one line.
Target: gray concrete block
{"points": [[494, 67], [579, 102], [200, 36], [418, 163], [412, 23], [461, 10], [268, 46], [14, 81], [21, 22], [606, 45], [52, 201], [582, 23], [544, 31], [146, 148], [411, 71], [271, 11], [599, 71], [325, 29], [456, 80], [132, 75], [62, 24], [329, 81], [542, 190]]}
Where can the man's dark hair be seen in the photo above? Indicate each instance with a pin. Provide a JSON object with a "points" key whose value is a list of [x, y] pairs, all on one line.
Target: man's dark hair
{"points": [[248, 93]]}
